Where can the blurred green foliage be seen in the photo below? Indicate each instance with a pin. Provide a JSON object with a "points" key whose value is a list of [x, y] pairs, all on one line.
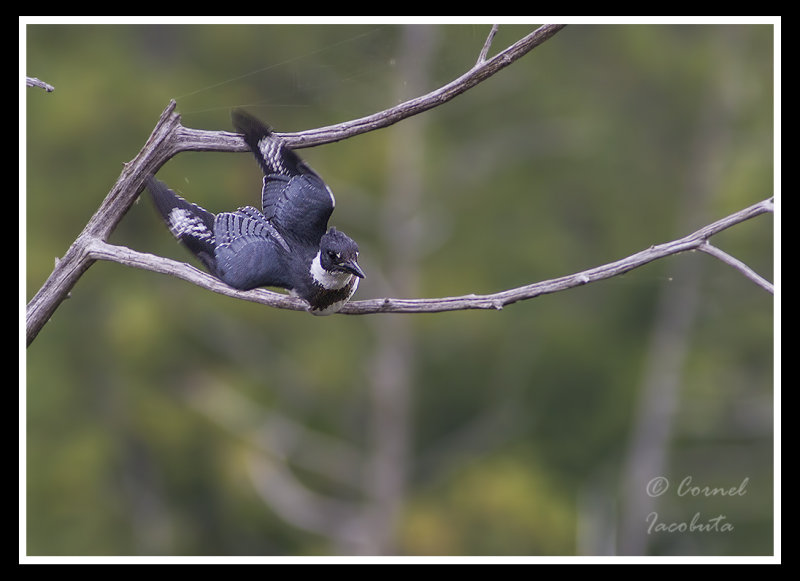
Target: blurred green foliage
{"points": [[584, 151]]}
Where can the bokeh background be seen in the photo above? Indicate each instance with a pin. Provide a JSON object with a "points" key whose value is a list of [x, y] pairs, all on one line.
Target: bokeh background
{"points": [[163, 419]]}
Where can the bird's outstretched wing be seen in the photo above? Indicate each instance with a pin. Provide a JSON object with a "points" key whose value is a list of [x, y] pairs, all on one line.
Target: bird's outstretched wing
{"points": [[293, 196], [188, 222], [240, 248]]}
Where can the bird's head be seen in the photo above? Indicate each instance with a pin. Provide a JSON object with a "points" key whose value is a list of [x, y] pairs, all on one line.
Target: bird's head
{"points": [[339, 253]]}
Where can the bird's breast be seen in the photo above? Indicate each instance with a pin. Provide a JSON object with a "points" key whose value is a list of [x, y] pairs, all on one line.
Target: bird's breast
{"points": [[324, 301]]}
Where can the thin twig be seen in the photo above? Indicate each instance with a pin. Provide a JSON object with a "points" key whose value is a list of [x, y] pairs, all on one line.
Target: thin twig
{"points": [[486, 46], [738, 265]]}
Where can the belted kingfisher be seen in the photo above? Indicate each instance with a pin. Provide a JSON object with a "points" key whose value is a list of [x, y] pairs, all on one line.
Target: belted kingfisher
{"points": [[286, 245]]}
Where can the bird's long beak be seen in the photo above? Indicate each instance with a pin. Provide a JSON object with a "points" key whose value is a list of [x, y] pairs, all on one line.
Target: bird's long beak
{"points": [[352, 267]]}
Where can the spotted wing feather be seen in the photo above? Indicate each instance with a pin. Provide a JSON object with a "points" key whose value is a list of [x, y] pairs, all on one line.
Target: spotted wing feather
{"points": [[188, 222]]}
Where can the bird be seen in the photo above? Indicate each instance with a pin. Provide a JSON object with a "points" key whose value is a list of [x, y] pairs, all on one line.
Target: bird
{"points": [[287, 244]]}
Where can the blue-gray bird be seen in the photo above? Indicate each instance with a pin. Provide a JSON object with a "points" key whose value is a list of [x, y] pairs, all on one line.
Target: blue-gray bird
{"points": [[287, 244]]}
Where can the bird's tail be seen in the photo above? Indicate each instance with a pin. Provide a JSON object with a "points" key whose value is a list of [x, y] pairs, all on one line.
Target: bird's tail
{"points": [[271, 152], [188, 222]]}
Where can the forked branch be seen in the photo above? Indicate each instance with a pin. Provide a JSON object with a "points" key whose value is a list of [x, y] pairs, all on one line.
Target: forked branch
{"points": [[170, 138]]}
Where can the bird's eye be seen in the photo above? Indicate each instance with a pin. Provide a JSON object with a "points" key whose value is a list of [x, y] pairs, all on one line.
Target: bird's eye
{"points": [[335, 256]]}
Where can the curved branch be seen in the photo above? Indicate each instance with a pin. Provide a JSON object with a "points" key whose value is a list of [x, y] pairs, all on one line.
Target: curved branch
{"points": [[170, 138], [695, 241], [482, 70], [100, 250], [698, 240], [199, 140]]}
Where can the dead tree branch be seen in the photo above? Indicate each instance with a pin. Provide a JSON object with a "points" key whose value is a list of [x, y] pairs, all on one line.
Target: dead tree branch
{"points": [[738, 265], [170, 138], [34, 82], [698, 240]]}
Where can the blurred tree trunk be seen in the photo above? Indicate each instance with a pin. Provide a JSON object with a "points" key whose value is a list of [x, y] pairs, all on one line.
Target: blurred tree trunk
{"points": [[676, 313], [393, 363]]}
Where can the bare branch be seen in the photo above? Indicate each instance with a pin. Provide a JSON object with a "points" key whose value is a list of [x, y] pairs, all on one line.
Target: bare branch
{"points": [[498, 300], [738, 265], [170, 138], [486, 46], [198, 140], [99, 250], [412, 107], [158, 149], [34, 82]]}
